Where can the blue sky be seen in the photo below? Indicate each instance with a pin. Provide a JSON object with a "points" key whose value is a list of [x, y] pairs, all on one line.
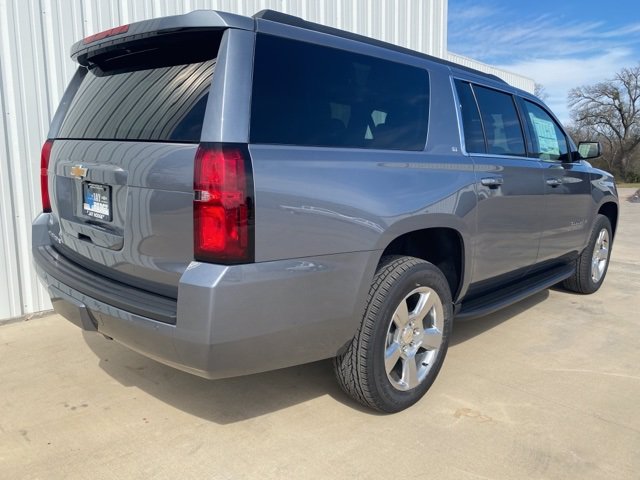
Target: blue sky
{"points": [[560, 44]]}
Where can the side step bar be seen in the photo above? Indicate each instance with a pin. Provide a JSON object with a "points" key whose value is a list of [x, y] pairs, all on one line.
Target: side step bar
{"points": [[492, 302]]}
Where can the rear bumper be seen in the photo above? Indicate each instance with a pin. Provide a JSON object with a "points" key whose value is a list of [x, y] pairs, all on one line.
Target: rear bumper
{"points": [[229, 320]]}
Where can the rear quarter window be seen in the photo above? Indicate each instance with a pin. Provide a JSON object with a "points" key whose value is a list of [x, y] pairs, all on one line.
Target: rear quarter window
{"points": [[310, 95]]}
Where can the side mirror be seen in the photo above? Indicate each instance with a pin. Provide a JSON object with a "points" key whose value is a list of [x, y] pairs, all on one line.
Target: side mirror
{"points": [[589, 150]]}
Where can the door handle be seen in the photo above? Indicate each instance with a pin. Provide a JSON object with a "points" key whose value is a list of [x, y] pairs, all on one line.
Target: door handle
{"points": [[554, 182], [492, 182]]}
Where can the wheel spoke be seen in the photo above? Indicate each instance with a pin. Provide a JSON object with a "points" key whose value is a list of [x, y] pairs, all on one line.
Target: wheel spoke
{"points": [[604, 253], [594, 269], [401, 315], [424, 306], [391, 356], [410, 372], [432, 339]]}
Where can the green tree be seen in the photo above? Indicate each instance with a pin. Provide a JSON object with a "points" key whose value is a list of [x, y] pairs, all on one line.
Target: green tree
{"points": [[610, 112]]}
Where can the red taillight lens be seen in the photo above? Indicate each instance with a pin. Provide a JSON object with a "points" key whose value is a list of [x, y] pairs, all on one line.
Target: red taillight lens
{"points": [[223, 204], [44, 166]]}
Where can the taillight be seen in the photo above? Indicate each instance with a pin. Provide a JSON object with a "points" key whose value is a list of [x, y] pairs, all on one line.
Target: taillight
{"points": [[44, 166], [223, 204], [107, 33]]}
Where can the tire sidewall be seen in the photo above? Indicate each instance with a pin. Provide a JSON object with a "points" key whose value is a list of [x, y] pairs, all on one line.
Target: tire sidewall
{"points": [[422, 274], [602, 222]]}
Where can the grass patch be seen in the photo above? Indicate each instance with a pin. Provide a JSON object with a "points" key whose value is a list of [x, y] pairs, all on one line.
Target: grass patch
{"points": [[628, 185]]}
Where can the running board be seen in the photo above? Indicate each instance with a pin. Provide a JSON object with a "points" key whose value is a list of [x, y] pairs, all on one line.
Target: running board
{"points": [[495, 301]]}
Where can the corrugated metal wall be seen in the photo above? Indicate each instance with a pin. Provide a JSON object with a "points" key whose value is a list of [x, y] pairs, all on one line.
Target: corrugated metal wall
{"points": [[35, 37], [511, 78]]}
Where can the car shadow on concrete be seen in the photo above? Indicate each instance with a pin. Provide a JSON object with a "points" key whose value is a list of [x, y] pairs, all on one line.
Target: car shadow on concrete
{"points": [[222, 401], [233, 400]]}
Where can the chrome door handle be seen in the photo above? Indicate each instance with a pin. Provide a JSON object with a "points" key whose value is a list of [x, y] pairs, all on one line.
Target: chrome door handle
{"points": [[492, 182], [554, 182]]}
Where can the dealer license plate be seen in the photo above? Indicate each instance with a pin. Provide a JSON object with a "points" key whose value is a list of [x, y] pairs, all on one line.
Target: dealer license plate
{"points": [[96, 201]]}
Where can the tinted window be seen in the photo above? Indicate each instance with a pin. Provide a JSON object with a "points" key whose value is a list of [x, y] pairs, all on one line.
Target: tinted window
{"points": [[305, 94], [549, 143], [471, 123], [501, 123], [151, 94]]}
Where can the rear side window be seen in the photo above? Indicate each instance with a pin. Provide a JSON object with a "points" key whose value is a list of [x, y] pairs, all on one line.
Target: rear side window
{"points": [[500, 120], [310, 95], [471, 123], [549, 143], [150, 91]]}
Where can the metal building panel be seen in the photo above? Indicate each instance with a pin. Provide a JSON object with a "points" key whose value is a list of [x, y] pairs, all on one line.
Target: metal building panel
{"points": [[35, 39], [25, 111], [524, 83]]}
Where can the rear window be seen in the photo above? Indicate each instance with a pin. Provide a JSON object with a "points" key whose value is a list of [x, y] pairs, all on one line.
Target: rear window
{"points": [[500, 120], [310, 95], [471, 122], [149, 91]]}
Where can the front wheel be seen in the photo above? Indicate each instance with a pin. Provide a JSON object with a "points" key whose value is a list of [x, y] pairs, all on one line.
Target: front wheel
{"points": [[399, 348], [592, 264]]}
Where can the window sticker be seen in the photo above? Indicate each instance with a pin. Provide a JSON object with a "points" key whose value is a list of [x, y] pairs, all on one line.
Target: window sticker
{"points": [[546, 134]]}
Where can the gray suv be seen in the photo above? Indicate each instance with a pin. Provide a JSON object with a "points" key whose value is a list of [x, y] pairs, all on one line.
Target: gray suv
{"points": [[229, 195]]}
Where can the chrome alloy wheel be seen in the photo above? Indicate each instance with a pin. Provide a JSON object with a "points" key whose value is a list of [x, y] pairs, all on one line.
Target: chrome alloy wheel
{"points": [[600, 256], [413, 338]]}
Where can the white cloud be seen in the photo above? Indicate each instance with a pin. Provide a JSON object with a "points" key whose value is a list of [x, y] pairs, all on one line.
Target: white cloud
{"points": [[559, 75], [472, 12], [556, 53]]}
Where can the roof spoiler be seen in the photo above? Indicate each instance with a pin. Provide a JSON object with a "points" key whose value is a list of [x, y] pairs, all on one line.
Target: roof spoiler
{"points": [[102, 42]]}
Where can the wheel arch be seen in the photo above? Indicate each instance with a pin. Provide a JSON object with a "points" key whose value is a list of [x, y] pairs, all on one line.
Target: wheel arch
{"points": [[443, 246], [610, 210]]}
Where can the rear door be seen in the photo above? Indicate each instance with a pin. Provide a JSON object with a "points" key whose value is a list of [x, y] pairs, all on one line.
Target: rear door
{"points": [[510, 186], [121, 167]]}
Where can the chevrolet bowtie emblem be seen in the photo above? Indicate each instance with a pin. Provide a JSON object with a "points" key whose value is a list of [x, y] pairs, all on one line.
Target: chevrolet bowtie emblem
{"points": [[78, 171]]}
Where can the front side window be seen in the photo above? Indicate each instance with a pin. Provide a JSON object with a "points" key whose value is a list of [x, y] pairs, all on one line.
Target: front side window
{"points": [[549, 143], [501, 123], [311, 95]]}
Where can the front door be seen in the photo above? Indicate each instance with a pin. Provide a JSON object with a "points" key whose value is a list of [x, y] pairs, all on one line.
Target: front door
{"points": [[568, 200]]}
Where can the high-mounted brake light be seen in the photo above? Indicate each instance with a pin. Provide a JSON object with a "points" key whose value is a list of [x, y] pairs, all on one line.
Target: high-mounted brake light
{"points": [[44, 179], [107, 33], [223, 204]]}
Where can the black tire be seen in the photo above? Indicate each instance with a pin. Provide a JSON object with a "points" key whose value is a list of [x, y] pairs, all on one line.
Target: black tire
{"points": [[582, 281], [360, 369]]}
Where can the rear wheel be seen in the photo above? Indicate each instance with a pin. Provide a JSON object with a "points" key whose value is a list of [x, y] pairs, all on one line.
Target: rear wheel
{"points": [[399, 348], [592, 264]]}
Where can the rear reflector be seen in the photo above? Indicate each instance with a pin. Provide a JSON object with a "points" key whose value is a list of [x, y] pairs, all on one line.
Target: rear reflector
{"points": [[107, 33], [223, 204], [44, 184]]}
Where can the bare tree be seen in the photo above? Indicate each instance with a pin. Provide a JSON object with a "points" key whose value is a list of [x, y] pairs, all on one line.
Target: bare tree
{"points": [[540, 92], [588, 134], [610, 111]]}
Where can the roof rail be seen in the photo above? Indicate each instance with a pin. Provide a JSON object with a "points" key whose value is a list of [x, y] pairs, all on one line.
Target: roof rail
{"points": [[286, 19]]}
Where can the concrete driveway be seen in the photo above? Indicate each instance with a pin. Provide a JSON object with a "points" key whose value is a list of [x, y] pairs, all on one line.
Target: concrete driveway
{"points": [[548, 388]]}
